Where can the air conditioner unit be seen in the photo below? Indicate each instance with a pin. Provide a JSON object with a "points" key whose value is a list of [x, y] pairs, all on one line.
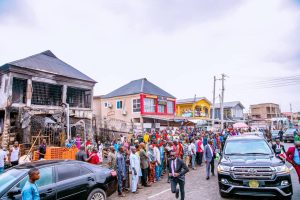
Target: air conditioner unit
{"points": [[124, 112], [109, 105]]}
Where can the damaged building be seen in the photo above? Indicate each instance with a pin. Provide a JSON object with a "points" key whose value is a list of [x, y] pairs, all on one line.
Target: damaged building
{"points": [[34, 95]]}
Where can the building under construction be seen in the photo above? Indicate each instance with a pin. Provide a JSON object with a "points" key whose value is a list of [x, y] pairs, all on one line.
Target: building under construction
{"points": [[34, 95]]}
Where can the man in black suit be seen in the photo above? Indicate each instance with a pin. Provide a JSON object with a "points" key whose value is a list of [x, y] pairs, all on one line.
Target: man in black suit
{"points": [[177, 171], [277, 147]]}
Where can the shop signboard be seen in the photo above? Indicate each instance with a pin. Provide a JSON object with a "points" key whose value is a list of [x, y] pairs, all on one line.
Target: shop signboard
{"points": [[162, 100]]}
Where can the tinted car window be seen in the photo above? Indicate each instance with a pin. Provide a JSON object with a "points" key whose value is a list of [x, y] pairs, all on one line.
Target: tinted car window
{"points": [[84, 171], [65, 172], [10, 177], [46, 178], [247, 147]]}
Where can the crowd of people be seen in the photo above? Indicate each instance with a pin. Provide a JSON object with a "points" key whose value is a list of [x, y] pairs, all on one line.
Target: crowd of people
{"points": [[148, 157]]}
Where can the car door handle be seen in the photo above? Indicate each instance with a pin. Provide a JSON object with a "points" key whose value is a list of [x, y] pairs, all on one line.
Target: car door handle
{"points": [[49, 191], [90, 179]]}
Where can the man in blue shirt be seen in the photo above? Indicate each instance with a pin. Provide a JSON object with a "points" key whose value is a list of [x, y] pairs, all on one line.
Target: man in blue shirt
{"points": [[30, 190]]}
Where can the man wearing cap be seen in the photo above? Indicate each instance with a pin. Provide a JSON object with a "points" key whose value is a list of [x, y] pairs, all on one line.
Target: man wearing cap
{"points": [[177, 171], [135, 169]]}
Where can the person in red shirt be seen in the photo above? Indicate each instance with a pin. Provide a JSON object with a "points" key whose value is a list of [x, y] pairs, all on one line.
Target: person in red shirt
{"points": [[199, 147], [293, 157], [94, 159]]}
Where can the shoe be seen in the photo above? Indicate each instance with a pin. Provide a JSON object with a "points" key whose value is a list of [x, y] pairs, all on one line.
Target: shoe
{"points": [[139, 187], [122, 195], [207, 178], [147, 186], [136, 192], [177, 194]]}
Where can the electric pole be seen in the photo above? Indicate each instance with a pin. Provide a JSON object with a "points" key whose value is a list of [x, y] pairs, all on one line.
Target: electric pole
{"points": [[292, 117], [214, 103], [222, 102]]}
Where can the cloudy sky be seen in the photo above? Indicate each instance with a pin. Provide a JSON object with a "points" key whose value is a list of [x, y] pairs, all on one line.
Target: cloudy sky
{"points": [[177, 44]]}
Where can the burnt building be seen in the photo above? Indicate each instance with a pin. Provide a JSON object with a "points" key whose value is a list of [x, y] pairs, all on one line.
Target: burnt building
{"points": [[34, 93]]}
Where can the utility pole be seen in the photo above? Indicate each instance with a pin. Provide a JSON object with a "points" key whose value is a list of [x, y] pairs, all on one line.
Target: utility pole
{"points": [[214, 103], [292, 117], [222, 102]]}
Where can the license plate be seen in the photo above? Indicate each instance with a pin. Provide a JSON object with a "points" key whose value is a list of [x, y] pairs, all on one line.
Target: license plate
{"points": [[253, 184]]}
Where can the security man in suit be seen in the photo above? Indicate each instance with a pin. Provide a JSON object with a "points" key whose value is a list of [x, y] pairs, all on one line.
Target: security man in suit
{"points": [[277, 147], [177, 171], [209, 158]]}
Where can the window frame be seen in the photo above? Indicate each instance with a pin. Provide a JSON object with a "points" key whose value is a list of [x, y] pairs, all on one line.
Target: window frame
{"points": [[158, 110], [154, 106], [136, 104], [173, 109], [117, 104]]}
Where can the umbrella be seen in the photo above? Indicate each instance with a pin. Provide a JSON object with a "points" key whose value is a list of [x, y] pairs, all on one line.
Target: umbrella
{"points": [[240, 125]]}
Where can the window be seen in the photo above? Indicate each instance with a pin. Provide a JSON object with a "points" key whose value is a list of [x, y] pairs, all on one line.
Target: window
{"points": [[149, 105], [19, 90], [119, 105], [161, 109], [136, 105], [46, 178], [46, 94], [105, 104], [79, 98], [170, 107], [66, 172]]}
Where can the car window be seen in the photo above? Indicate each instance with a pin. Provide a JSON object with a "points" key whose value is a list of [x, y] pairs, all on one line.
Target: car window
{"points": [[247, 147], [9, 177], [84, 171], [46, 178], [65, 172]]}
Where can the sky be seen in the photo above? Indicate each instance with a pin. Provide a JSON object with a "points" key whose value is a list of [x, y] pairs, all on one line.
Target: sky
{"points": [[179, 45]]}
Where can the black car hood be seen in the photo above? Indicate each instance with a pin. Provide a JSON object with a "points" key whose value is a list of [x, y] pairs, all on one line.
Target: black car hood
{"points": [[249, 160]]}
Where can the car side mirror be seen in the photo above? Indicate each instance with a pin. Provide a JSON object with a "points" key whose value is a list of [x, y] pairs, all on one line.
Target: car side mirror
{"points": [[15, 191]]}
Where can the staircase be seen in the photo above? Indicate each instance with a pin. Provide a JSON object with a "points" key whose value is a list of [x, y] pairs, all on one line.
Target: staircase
{"points": [[5, 135]]}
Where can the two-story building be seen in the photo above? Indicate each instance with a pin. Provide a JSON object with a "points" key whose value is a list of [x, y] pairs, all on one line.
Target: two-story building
{"points": [[134, 107], [233, 111], [34, 93], [193, 108]]}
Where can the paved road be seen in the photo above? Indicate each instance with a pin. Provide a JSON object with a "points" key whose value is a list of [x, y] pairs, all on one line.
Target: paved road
{"points": [[197, 187]]}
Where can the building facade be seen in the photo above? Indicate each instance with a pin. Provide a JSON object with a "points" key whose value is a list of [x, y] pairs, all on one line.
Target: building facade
{"points": [[193, 108], [35, 92], [133, 107], [265, 111], [233, 111]]}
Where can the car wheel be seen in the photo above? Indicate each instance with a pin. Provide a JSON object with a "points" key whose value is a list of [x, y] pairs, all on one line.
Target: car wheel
{"points": [[97, 194]]}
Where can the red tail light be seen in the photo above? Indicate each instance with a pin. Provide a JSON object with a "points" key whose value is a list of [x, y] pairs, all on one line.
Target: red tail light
{"points": [[113, 173]]}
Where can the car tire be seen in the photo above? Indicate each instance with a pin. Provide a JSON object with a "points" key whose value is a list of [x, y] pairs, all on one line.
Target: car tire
{"points": [[97, 194]]}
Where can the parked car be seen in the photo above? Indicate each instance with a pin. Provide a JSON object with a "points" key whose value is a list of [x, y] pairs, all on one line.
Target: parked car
{"points": [[249, 167], [289, 135], [60, 179], [275, 134]]}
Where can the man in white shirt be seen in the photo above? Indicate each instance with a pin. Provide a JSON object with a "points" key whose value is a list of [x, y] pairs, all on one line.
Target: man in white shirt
{"points": [[15, 154], [3, 159], [157, 166], [192, 149]]}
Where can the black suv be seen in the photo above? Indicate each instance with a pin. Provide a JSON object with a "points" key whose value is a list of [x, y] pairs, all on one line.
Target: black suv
{"points": [[249, 167], [61, 180]]}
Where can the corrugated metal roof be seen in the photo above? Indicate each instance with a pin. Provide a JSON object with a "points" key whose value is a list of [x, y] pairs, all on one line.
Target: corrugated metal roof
{"points": [[192, 100], [137, 87], [48, 62], [229, 104]]}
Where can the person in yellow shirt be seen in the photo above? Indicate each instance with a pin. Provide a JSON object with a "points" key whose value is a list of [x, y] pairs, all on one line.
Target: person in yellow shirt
{"points": [[146, 137]]}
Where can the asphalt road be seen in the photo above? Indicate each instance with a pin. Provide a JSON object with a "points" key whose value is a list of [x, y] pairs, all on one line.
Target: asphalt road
{"points": [[197, 187]]}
